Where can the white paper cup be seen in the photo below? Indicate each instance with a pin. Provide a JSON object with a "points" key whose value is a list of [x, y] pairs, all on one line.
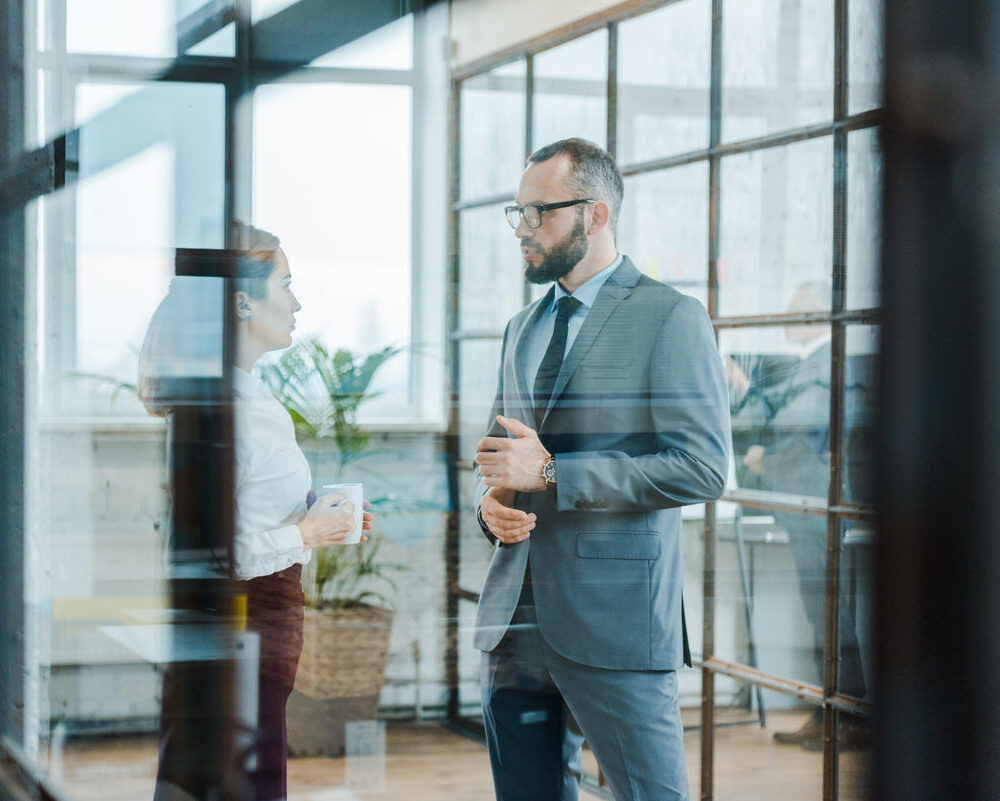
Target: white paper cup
{"points": [[355, 496]]}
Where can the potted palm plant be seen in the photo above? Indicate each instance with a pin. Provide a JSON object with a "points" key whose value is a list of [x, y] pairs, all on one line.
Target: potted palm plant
{"points": [[348, 615]]}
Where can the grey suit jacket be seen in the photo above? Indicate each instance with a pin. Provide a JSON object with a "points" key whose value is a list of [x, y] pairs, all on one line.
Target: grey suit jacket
{"points": [[639, 425]]}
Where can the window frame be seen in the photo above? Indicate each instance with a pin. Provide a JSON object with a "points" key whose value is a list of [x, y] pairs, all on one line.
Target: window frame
{"points": [[840, 317], [424, 405]]}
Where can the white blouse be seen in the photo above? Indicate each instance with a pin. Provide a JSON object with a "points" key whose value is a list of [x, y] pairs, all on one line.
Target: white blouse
{"points": [[272, 481]]}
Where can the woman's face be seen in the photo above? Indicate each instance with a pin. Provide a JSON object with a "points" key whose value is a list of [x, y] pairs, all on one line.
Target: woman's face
{"points": [[272, 317]]}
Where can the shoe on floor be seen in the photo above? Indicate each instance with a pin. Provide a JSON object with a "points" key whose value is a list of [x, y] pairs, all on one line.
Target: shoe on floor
{"points": [[812, 728], [853, 734]]}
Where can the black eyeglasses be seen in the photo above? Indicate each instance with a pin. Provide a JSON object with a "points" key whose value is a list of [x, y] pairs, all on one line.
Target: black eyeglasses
{"points": [[532, 213]]}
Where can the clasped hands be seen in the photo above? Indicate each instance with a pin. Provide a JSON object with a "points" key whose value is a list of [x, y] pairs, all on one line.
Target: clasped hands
{"points": [[508, 466]]}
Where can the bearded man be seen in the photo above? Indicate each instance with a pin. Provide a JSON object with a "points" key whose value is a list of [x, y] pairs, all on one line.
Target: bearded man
{"points": [[611, 414]]}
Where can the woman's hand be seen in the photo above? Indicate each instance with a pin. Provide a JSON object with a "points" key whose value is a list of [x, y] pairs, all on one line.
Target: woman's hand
{"points": [[330, 521]]}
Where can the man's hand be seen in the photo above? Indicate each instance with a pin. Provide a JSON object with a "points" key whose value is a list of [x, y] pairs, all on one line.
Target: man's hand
{"points": [[507, 524], [514, 464]]}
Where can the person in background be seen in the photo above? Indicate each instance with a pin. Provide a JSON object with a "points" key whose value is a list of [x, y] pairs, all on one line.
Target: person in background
{"points": [[793, 456]]}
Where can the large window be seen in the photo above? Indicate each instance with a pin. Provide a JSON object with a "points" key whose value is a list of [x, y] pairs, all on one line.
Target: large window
{"points": [[747, 136], [324, 158]]}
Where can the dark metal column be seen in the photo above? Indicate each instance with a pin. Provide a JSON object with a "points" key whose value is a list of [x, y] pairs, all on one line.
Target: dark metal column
{"points": [[938, 557], [12, 395]]}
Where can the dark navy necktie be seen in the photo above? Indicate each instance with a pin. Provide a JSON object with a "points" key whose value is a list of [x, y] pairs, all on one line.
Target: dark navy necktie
{"points": [[548, 370]]}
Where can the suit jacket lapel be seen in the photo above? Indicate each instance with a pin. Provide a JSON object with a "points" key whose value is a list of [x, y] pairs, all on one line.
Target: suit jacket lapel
{"points": [[618, 287]]}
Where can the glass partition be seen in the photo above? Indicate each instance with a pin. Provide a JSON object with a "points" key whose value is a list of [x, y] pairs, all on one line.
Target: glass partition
{"points": [[663, 82]]}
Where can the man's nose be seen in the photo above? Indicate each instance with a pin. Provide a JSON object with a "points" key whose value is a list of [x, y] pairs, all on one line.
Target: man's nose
{"points": [[522, 231]]}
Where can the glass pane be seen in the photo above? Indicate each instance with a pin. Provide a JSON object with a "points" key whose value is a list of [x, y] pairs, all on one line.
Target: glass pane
{"points": [[664, 67], [771, 591], [865, 55], [492, 141], [122, 27], [861, 413], [864, 218], [664, 226], [778, 66], [749, 762], [344, 223], [571, 90], [855, 758], [475, 550], [490, 257], [779, 394], [856, 623], [151, 179], [389, 47], [220, 43], [775, 226], [479, 366], [469, 697]]}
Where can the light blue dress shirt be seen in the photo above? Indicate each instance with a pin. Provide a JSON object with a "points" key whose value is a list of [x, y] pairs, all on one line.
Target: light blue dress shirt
{"points": [[538, 337]]}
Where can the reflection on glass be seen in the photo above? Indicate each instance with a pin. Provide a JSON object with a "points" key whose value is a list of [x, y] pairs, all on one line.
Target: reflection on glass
{"points": [[770, 591], [349, 227], [855, 758], [490, 257], [663, 81], [860, 409], [571, 88], [865, 55], [778, 66], [475, 549], [151, 178], [480, 362], [749, 762], [123, 27], [389, 47], [664, 226], [779, 394], [492, 142], [775, 226], [864, 230], [857, 587]]}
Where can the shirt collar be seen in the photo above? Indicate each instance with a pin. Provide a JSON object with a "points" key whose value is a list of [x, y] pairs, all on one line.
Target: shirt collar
{"points": [[247, 384], [586, 293]]}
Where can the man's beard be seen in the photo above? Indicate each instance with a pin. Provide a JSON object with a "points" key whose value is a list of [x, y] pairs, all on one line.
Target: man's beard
{"points": [[560, 258]]}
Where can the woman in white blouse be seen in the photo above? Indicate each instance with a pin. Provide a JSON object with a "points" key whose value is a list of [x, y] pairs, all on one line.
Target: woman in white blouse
{"points": [[276, 525]]}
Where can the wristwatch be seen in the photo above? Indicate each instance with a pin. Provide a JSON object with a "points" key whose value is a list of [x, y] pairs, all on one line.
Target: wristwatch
{"points": [[549, 472]]}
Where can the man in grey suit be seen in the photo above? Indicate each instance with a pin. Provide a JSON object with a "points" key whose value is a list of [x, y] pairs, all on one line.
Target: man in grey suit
{"points": [[611, 413]]}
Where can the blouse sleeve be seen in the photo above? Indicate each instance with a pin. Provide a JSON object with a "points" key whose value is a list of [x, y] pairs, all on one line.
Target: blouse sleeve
{"points": [[260, 547]]}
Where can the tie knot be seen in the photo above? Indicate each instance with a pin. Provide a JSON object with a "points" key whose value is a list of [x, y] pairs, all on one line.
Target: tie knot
{"points": [[566, 305]]}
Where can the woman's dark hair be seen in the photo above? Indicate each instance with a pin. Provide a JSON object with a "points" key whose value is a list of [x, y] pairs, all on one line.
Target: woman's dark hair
{"points": [[184, 307]]}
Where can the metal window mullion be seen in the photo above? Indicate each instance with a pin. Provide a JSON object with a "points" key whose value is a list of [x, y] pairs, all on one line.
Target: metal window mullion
{"points": [[831, 634], [452, 544], [529, 136], [612, 91], [708, 577]]}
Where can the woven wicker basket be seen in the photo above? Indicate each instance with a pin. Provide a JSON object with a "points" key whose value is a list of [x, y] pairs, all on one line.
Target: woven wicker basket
{"points": [[344, 652]]}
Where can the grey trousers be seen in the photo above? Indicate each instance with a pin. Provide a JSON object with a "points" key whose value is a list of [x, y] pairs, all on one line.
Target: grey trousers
{"points": [[539, 706]]}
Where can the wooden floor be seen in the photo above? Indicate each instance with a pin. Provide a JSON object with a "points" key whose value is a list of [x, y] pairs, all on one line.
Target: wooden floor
{"points": [[426, 762]]}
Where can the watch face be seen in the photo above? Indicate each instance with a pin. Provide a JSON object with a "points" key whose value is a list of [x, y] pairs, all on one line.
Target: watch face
{"points": [[550, 472]]}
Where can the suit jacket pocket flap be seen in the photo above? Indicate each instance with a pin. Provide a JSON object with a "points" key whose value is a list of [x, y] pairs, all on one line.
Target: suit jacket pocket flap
{"points": [[617, 545]]}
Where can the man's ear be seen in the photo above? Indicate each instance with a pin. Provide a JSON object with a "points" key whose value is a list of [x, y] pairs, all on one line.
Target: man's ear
{"points": [[241, 303], [600, 218]]}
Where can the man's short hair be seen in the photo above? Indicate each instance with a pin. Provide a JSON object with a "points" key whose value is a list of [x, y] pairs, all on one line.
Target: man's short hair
{"points": [[595, 174]]}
